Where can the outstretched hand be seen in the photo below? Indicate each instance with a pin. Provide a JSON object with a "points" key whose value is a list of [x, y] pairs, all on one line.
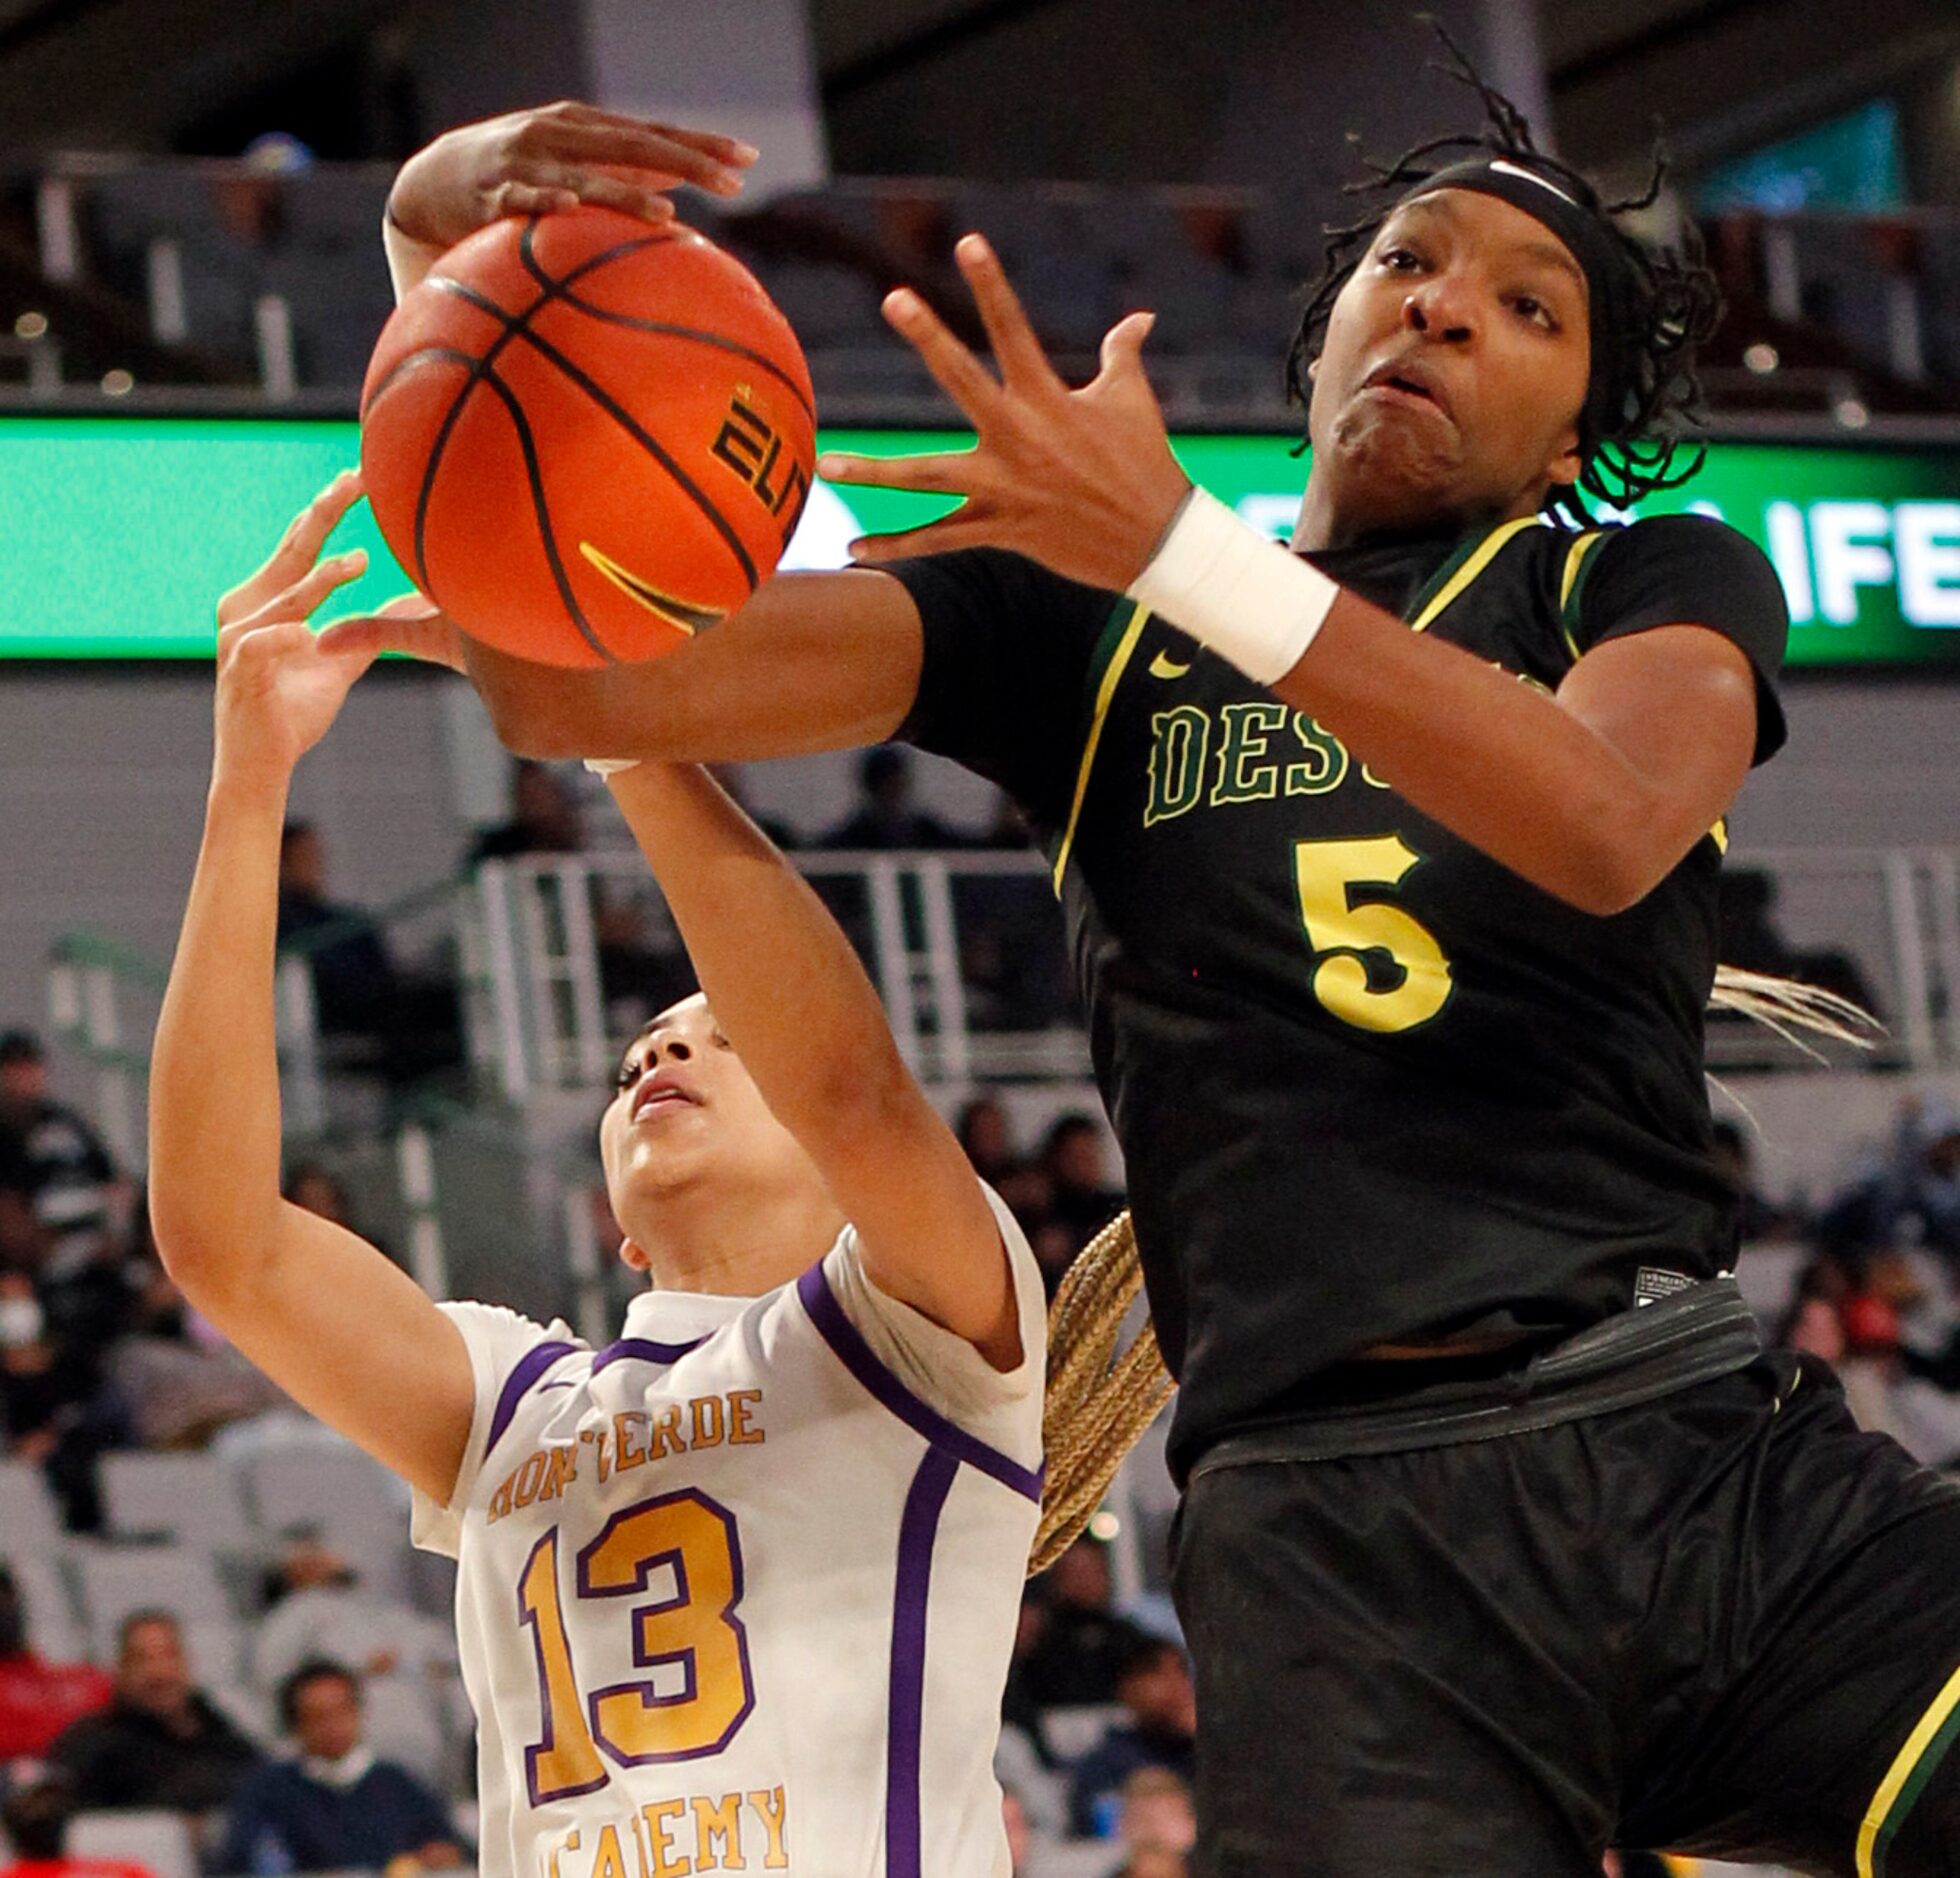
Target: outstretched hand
{"points": [[280, 687], [554, 157], [1082, 481]]}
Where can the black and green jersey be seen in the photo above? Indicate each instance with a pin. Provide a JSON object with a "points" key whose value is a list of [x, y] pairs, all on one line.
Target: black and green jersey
{"points": [[1370, 1085]]}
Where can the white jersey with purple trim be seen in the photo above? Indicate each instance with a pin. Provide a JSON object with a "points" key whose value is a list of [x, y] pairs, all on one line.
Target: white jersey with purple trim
{"points": [[738, 1592]]}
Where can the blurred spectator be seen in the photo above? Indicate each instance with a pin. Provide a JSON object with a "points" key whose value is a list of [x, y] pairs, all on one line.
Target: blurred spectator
{"points": [[1157, 1812], [1756, 1219], [1160, 1731], [53, 1414], [1152, 1861], [1923, 1182], [353, 976], [1084, 1198], [1079, 1643], [885, 816], [544, 818], [1813, 1326], [320, 1610], [1020, 1835], [378, 1016], [1749, 938], [160, 1742], [317, 1189], [335, 1807], [60, 1199], [36, 1815], [38, 1699], [985, 1134]]}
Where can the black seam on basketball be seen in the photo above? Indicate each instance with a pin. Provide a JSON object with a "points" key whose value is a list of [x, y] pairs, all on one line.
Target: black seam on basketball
{"points": [[720, 344], [517, 326], [453, 353], [563, 290], [534, 472], [479, 368], [527, 253]]}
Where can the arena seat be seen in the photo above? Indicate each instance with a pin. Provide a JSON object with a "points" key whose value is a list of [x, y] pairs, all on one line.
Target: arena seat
{"points": [[403, 1722], [1939, 298], [188, 1497], [1846, 287], [216, 1647], [116, 1580], [349, 1501], [337, 206], [300, 1489], [339, 300], [27, 1515], [52, 1629], [160, 1842]]}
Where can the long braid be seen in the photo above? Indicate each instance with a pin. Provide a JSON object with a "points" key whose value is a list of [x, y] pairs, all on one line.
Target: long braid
{"points": [[1099, 1402], [1788, 1005]]}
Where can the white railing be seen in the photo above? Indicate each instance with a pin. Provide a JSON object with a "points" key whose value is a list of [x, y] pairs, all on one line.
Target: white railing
{"points": [[539, 1018], [535, 1000], [1896, 913]]}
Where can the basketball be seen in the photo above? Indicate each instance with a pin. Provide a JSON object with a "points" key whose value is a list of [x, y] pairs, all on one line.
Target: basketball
{"points": [[587, 438]]}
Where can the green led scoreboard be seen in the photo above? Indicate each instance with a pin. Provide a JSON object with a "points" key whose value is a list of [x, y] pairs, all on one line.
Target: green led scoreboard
{"points": [[120, 532]]}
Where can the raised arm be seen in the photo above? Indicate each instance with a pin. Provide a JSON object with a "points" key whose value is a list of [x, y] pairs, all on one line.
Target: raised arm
{"points": [[788, 991], [323, 1313], [545, 158], [814, 661], [1593, 795]]}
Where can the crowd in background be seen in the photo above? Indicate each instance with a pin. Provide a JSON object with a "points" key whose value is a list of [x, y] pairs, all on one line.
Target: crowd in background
{"points": [[99, 1353]]}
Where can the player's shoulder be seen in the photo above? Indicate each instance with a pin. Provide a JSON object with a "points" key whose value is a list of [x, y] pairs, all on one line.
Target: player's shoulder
{"points": [[1687, 533], [500, 1338]]}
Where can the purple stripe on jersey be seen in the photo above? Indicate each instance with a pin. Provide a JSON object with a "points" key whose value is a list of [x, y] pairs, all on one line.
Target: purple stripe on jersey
{"points": [[644, 1350], [528, 1368], [848, 1345], [906, 1714]]}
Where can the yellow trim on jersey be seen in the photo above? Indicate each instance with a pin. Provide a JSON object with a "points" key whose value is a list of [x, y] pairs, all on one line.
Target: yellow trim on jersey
{"points": [[1132, 632], [1901, 1771], [1575, 559], [1480, 559], [1719, 834]]}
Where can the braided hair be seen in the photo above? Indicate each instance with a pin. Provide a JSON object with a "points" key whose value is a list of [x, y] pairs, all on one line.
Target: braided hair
{"points": [[1630, 442]]}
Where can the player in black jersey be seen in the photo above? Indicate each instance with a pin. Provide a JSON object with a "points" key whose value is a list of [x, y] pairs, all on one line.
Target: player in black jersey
{"points": [[1390, 872]]}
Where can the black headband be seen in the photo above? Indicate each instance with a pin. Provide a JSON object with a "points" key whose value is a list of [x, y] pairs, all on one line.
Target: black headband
{"points": [[1611, 288]]}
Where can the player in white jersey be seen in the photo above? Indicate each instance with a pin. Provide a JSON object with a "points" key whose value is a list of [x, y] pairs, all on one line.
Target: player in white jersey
{"points": [[737, 1592]]}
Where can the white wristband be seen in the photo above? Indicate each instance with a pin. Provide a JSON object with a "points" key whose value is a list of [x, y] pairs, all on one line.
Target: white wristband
{"points": [[1248, 598], [611, 765]]}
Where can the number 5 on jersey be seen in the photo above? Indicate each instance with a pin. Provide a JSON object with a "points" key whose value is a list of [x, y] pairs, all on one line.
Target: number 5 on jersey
{"points": [[1347, 921], [694, 1631]]}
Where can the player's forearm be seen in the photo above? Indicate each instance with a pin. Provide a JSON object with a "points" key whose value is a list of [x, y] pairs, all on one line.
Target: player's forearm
{"points": [[409, 260], [214, 1075], [780, 976], [1496, 761], [812, 661]]}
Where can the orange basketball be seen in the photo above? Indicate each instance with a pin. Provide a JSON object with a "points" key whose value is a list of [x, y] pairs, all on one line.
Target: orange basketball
{"points": [[587, 438]]}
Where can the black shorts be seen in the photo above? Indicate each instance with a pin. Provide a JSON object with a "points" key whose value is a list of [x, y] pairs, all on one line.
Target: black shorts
{"points": [[1724, 1622]]}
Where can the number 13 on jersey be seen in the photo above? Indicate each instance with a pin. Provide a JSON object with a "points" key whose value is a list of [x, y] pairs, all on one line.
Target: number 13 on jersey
{"points": [[692, 1632]]}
